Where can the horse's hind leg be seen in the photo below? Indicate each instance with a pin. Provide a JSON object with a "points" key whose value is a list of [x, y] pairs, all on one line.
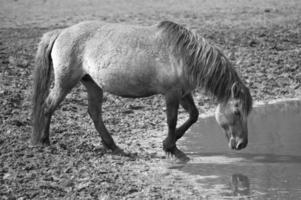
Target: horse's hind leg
{"points": [[55, 97], [95, 97], [189, 105]]}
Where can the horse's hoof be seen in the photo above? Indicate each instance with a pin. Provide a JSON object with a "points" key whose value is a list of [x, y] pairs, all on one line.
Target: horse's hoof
{"points": [[181, 156], [175, 152], [119, 152], [41, 143], [183, 159]]}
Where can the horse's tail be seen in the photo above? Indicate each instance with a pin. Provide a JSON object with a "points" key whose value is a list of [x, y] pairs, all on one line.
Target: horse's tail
{"points": [[41, 84]]}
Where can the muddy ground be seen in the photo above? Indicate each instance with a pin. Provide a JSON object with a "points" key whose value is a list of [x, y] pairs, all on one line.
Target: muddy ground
{"points": [[263, 39]]}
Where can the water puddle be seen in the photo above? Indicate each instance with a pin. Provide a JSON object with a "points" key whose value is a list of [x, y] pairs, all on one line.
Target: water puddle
{"points": [[269, 168]]}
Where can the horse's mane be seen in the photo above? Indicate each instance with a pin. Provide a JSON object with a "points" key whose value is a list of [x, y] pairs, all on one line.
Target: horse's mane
{"points": [[206, 66]]}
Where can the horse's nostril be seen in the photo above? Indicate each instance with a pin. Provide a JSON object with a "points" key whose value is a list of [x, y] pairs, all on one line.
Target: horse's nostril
{"points": [[237, 144], [241, 145]]}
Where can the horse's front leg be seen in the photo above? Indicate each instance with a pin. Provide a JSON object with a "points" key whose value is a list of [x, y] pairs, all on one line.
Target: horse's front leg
{"points": [[169, 144], [188, 104]]}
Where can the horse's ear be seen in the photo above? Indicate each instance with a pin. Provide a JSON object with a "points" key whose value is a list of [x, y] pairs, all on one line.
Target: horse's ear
{"points": [[233, 90]]}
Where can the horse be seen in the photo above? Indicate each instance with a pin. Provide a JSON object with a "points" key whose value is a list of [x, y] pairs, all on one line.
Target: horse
{"points": [[138, 61]]}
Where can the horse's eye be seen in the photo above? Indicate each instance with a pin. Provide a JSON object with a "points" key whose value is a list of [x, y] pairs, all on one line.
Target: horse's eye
{"points": [[225, 126], [237, 113]]}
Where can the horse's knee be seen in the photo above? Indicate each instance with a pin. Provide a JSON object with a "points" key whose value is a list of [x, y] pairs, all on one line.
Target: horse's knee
{"points": [[194, 115]]}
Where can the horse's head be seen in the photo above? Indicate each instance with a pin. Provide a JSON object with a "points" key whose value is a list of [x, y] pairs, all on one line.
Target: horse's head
{"points": [[234, 122], [232, 117]]}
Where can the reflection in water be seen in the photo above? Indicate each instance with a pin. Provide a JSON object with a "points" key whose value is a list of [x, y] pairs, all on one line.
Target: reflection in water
{"points": [[240, 185], [272, 160]]}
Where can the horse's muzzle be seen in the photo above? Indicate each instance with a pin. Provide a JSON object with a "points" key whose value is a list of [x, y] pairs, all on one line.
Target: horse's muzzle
{"points": [[237, 143]]}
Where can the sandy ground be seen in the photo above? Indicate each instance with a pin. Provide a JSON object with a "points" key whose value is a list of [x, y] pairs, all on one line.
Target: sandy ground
{"points": [[263, 39]]}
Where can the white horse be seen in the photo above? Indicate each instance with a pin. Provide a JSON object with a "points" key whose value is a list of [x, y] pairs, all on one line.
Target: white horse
{"points": [[138, 61]]}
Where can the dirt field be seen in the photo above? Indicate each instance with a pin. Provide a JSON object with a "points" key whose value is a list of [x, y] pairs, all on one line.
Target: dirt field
{"points": [[263, 38]]}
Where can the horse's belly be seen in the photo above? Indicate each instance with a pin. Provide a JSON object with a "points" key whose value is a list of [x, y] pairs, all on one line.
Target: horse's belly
{"points": [[127, 81]]}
